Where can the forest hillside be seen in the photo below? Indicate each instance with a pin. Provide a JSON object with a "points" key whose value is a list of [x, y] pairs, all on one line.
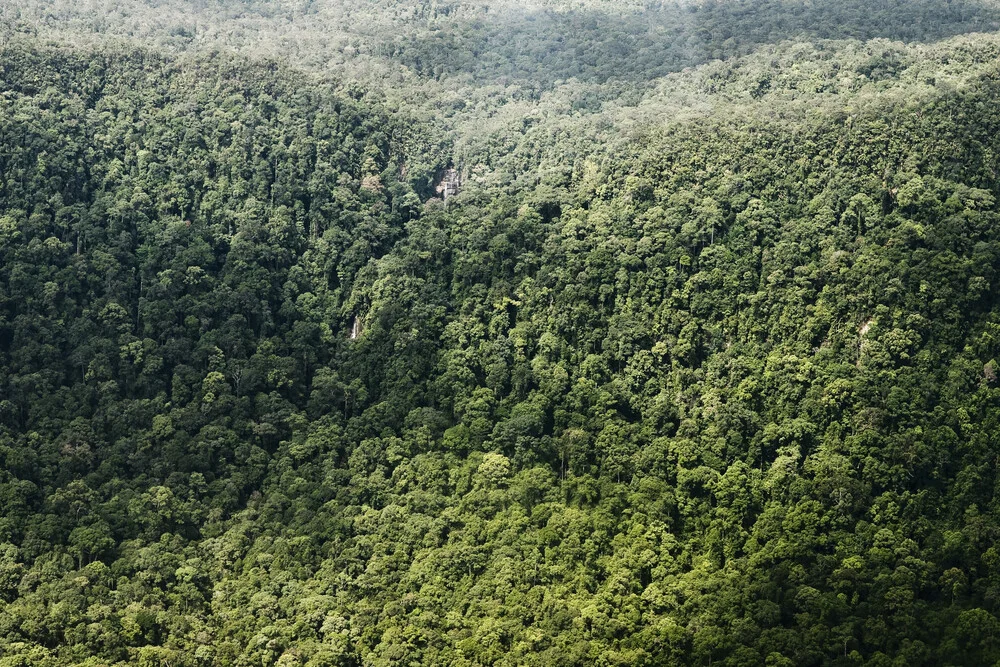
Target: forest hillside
{"points": [[696, 365]]}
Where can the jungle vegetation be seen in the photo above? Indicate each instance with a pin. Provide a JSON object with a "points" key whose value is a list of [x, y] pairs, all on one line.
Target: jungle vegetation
{"points": [[699, 367]]}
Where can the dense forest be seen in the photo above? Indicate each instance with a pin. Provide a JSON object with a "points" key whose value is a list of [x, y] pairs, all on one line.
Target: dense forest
{"points": [[699, 366]]}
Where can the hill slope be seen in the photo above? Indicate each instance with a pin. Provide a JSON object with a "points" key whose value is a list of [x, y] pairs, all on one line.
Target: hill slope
{"points": [[707, 377]]}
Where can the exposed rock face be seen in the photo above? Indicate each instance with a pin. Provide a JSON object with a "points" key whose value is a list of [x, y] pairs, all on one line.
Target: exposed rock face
{"points": [[451, 183]]}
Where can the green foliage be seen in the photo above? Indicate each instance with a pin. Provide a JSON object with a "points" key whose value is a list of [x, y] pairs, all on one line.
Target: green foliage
{"points": [[719, 390]]}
